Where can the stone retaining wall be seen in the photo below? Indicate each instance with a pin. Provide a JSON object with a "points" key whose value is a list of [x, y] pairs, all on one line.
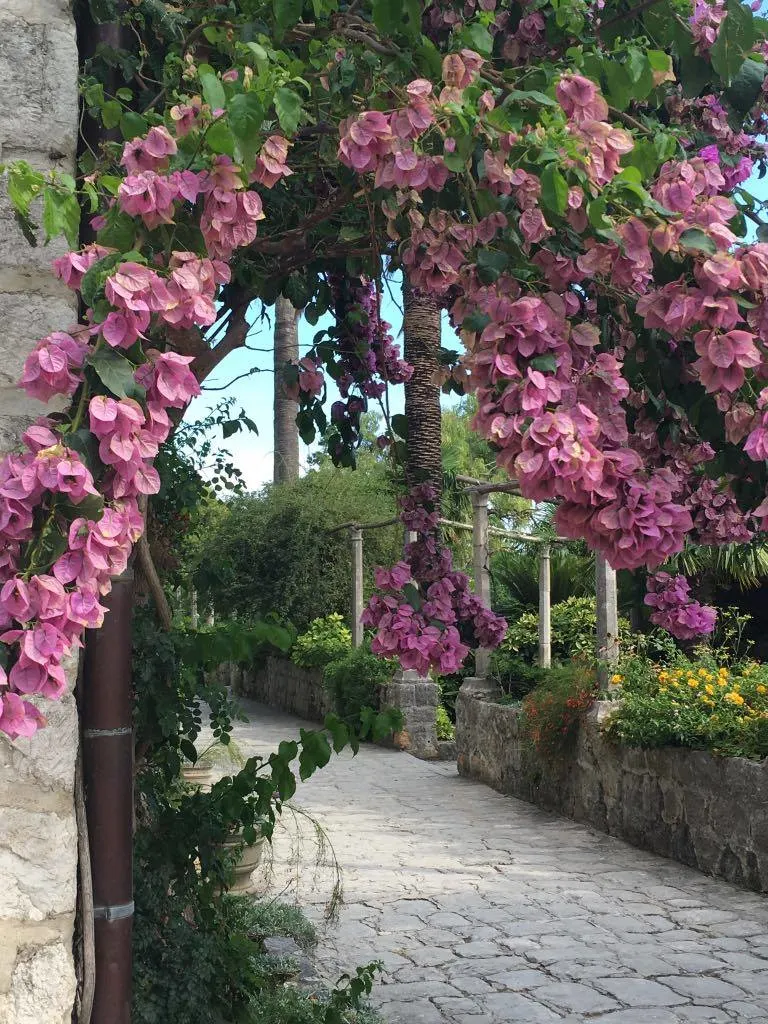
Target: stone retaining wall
{"points": [[38, 838], [300, 691], [710, 813], [281, 684]]}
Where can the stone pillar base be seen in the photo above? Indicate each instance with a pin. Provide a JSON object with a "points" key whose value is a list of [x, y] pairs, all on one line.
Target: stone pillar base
{"points": [[417, 698], [480, 687]]}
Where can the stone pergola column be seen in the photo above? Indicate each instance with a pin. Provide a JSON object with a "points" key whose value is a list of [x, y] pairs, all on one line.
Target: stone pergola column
{"points": [[480, 683], [607, 618], [356, 542], [545, 607]]}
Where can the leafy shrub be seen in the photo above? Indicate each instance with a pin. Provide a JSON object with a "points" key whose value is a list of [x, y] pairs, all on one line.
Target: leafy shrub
{"points": [[354, 681], [515, 676], [574, 628], [443, 725], [271, 551], [552, 710], [515, 578], [697, 704], [326, 640]]}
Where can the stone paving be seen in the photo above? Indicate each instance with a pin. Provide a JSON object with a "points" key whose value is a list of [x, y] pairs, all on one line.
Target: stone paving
{"points": [[484, 908]]}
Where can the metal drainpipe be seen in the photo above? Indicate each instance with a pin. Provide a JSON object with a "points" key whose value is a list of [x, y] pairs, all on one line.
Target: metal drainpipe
{"points": [[108, 778]]}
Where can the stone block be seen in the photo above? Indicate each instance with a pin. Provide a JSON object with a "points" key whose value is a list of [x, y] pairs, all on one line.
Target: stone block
{"points": [[42, 987], [38, 69], [45, 762], [38, 864]]}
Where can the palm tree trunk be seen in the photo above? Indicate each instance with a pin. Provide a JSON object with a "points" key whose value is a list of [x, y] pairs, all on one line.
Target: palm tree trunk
{"points": [[286, 465], [421, 331]]}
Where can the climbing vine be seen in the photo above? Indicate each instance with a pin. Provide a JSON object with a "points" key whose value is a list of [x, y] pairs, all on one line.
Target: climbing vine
{"points": [[565, 178]]}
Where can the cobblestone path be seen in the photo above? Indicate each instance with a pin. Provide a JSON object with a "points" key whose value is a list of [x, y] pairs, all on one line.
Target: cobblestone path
{"points": [[485, 909]]}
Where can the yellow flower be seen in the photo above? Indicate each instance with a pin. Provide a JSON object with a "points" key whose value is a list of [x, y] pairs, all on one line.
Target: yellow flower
{"points": [[734, 698], [675, 683], [703, 672], [722, 682], [616, 678], [693, 683], [761, 689], [663, 676], [709, 689]]}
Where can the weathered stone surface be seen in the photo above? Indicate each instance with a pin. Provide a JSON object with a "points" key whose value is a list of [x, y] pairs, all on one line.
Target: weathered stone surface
{"points": [[708, 812], [42, 988], [38, 861], [281, 684], [38, 864], [585, 928]]}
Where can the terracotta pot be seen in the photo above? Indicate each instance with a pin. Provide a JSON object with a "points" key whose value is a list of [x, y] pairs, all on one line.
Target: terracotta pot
{"points": [[247, 862]]}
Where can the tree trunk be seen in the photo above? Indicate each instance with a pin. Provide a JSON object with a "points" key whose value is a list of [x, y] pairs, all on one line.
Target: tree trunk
{"points": [[286, 466], [421, 331]]}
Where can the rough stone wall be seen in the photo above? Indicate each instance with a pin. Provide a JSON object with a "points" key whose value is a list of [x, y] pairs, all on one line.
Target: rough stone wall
{"points": [[281, 684], [705, 811], [38, 843], [417, 698]]}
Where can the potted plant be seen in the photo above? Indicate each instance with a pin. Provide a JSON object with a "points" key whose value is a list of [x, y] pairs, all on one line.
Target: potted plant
{"points": [[199, 773]]}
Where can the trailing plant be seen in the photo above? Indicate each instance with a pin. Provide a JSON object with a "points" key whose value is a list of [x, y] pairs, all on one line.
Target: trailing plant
{"points": [[551, 712], [326, 640]]}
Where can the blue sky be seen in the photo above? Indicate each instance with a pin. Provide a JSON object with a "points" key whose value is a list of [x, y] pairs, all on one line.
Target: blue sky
{"points": [[253, 454]]}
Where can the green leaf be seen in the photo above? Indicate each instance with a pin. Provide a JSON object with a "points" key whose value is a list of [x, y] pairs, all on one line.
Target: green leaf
{"points": [[477, 37], [219, 138], [529, 96], [133, 125], [120, 230], [643, 157], [554, 189], [115, 372], [640, 73], [696, 240], [546, 363], [213, 90], [746, 86], [288, 109], [246, 116], [397, 17], [111, 113], [620, 86], [287, 13], [61, 216], [24, 185], [596, 214], [734, 40], [491, 264], [94, 277], [400, 425]]}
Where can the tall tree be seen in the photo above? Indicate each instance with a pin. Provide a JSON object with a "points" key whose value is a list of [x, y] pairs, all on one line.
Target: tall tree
{"points": [[421, 334], [286, 461]]}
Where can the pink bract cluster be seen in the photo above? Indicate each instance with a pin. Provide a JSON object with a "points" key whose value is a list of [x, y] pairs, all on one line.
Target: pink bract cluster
{"points": [[670, 597], [67, 527], [427, 617], [558, 408]]}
